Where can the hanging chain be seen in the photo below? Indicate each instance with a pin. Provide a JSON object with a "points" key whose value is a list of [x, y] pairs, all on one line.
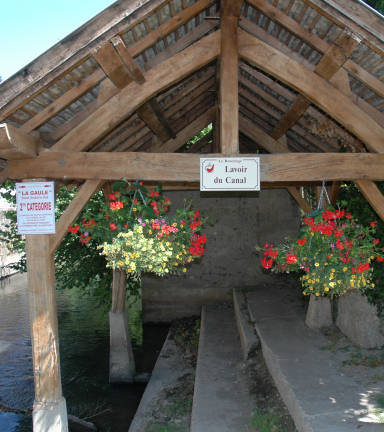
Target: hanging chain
{"points": [[133, 199], [323, 192]]}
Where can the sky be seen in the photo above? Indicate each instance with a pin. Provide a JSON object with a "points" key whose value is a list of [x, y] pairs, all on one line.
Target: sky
{"points": [[30, 27]]}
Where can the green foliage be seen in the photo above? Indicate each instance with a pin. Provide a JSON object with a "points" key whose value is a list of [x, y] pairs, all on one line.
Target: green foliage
{"points": [[334, 250], [196, 138], [266, 421], [354, 202], [76, 265], [376, 4]]}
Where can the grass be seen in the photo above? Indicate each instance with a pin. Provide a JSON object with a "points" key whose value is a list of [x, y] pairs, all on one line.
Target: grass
{"points": [[378, 411], [162, 428], [266, 422]]}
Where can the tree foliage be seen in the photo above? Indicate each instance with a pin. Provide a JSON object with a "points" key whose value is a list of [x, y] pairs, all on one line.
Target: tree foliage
{"points": [[353, 201], [76, 264], [376, 4]]}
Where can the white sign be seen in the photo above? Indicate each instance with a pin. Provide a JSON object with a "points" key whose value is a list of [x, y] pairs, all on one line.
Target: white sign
{"points": [[230, 174], [35, 208]]}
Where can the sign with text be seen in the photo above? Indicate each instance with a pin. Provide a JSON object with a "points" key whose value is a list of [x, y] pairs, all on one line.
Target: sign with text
{"points": [[35, 208], [230, 174]]}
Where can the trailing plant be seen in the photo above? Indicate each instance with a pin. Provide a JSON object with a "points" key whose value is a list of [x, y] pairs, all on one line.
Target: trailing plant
{"points": [[354, 202], [136, 234], [334, 253]]}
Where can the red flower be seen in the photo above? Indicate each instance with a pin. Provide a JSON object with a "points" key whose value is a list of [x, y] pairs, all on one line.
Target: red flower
{"points": [[267, 263], [373, 224], [301, 241], [126, 226], [380, 259], [348, 216], [112, 226], [74, 229], [112, 197], [116, 205], [376, 241], [308, 221], [291, 258]]}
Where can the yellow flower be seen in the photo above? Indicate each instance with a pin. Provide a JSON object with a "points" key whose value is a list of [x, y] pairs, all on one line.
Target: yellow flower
{"points": [[345, 269], [129, 270], [317, 294], [317, 280], [333, 270], [309, 281], [184, 269], [121, 263], [353, 276], [127, 244], [134, 209], [304, 293], [327, 289], [311, 288], [332, 284], [339, 282], [372, 285], [150, 232], [317, 264]]}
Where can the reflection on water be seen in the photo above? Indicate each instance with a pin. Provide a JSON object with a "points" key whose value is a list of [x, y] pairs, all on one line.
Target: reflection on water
{"points": [[84, 357]]}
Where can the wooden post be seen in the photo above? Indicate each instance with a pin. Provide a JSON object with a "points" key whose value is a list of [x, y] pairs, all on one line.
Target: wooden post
{"points": [[49, 408], [121, 360]]}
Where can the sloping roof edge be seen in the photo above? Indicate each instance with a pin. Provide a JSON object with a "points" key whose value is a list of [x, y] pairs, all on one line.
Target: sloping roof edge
{"points": [[73, 48]]}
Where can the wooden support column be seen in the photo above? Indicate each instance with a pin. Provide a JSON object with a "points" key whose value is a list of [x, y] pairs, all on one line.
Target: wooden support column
{"points": [[49, 407], [121, 360], [229, 77]]}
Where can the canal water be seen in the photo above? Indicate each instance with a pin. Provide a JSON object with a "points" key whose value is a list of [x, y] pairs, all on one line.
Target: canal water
{"points": [[84, 358]]}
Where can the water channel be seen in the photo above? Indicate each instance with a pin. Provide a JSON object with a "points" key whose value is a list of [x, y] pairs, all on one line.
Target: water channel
{"points": [[84, 358]]}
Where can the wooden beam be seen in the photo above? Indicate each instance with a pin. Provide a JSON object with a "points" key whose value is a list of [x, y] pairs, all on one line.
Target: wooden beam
{"points": [[190, 38], [312, 87], [288, 167], [43, 317], [299, 199], [123, 104], [128, 60], [113, 66], [200, 143], [71, 51], [272, 146], [230, 8], [261, 34], [188, 133], [289, 24], [148, 115], [229, 84], [106, 91], [89, 188], [63, 102], [330, 63], [15, 144], [261, 138], [373, 195], [334, 192], [4, 175], [167, 28]]}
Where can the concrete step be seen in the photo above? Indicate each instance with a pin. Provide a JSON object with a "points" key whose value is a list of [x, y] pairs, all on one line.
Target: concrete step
{"points": [[221, 402], [318, 397]]}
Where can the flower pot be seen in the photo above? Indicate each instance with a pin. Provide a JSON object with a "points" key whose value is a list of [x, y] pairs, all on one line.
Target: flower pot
{"points": [[319, 312], [358, 320]]}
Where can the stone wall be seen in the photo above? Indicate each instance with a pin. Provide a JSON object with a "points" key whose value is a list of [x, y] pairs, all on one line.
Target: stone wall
{"points": [[242, 221]]}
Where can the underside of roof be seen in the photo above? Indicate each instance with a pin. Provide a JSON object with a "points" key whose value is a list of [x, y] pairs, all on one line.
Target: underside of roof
{"points": [[147, 76]]}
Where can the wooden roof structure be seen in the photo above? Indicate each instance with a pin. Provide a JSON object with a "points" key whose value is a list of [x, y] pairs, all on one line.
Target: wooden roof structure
{"points": [[293, 80]]}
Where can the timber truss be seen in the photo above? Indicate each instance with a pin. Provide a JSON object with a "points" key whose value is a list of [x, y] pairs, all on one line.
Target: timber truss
{"points": [[296, 81]]}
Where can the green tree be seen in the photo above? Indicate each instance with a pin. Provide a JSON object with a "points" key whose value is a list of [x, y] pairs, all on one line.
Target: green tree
{"points": [[76, 264]]}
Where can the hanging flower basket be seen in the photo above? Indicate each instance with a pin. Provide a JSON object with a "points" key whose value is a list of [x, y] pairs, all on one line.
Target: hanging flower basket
{"points": [[333, 253], [136, 234]]}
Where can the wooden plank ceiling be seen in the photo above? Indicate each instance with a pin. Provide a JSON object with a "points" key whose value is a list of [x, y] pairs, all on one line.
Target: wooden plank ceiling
{"points": [[276, 76]]}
